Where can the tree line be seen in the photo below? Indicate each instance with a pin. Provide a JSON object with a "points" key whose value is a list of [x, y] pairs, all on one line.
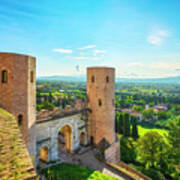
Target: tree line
{"points": [[123, 123]]}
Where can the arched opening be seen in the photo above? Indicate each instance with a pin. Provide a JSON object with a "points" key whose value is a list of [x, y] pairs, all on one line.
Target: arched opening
{"points": [[82, 139], [4, 76], [92, 140], [92, 79], [107, 79], [20, 120], [43, 155], [32, 76], [65, 139], [100, 102]]}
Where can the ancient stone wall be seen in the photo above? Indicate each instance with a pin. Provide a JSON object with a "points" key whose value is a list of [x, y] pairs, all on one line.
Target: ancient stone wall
{"points": [[112, 154]]}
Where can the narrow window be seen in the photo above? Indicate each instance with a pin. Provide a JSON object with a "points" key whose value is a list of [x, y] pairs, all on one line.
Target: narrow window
{"points": [[107, 79], [113, 102], [20, 120], [4, 76], [32, 76], [92, 140], [100, 102], [92, 79]]}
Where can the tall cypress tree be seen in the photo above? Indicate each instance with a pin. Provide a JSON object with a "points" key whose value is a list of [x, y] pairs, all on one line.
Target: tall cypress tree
{"points": [[121, 123], [116, 123], [126, 122], [134, 127]]}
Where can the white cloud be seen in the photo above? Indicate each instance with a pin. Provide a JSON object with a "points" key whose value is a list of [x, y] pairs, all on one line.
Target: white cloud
{"points": [[157, 37], [156, 65], [65, 51], [87, 47], [136, 64], [96, 51], [87, 58]]}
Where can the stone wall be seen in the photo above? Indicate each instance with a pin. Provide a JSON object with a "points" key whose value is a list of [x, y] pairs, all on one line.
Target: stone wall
{"points": [[112, 154]]}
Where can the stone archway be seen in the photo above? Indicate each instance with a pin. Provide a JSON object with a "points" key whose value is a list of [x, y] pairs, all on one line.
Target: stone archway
{"points": [[82, 139], [43, 155], [65, 139]]}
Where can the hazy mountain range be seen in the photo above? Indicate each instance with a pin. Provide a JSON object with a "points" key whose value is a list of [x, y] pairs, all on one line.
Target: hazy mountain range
{"points": [[168, 80]]}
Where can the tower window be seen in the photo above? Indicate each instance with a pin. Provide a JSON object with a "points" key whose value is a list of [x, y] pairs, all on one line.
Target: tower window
{"points": [[92, 79], [4, 76], [32, 76], [107, 79], [113, 102], [100, 102], [20, 120]]}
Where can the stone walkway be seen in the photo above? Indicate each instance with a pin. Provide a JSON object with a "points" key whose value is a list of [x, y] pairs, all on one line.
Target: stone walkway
{"points": [[88, 160]]}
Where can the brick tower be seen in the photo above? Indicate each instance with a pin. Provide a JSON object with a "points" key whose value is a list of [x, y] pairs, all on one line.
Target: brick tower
{"points": [[100, 91], [18, 93], [101, 98]]}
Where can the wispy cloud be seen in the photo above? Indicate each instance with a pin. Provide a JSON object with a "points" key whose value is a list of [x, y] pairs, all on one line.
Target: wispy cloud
{"points": [[87, 58], [156, 65], [97, 51], [157, 37], [87, 47], [136, 64], [65, 51]]}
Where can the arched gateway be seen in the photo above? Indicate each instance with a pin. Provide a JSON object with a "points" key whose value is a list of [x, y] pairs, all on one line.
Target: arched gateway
{"points": [[65, 139], [43, 155]]}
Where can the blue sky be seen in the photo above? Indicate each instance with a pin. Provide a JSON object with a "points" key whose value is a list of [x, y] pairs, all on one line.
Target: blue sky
{"points": [[141, 39]]}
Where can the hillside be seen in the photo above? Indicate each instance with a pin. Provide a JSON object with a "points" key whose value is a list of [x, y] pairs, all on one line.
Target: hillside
{"points": [[168, 80]]}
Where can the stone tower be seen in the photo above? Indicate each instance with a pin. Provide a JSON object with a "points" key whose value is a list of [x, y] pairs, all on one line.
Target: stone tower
{"points": [[101, 94], [101, 102], [18, 93]]}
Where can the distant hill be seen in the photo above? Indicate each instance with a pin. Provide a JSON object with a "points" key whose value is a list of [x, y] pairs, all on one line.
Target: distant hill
{"points": [[63, 78], [168, 80]]}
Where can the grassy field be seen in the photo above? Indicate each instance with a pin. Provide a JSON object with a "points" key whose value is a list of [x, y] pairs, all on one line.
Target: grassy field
{"points": [[73, 172], [144, 129]]}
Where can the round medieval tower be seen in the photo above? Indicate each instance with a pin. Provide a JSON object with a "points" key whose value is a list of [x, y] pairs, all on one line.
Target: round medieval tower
{"points": [[101, 98]]}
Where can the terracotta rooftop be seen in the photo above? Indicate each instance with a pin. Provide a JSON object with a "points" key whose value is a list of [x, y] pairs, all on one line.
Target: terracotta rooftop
{"points": [[15, 162]]}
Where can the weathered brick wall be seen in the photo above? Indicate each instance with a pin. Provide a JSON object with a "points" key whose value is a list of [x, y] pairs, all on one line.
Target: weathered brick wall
{"points": [[112, 154], [101, 118], [18, 95], [6, 93]]}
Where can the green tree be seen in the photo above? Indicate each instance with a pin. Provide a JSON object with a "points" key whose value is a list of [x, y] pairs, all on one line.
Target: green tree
{"points": [[134, 127], [126, 123], [149, 148], [116, 122], [138, 108], [162, 115], [174, 140], [121, 123], [48, 105], [128, 150], [148, 113]]}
